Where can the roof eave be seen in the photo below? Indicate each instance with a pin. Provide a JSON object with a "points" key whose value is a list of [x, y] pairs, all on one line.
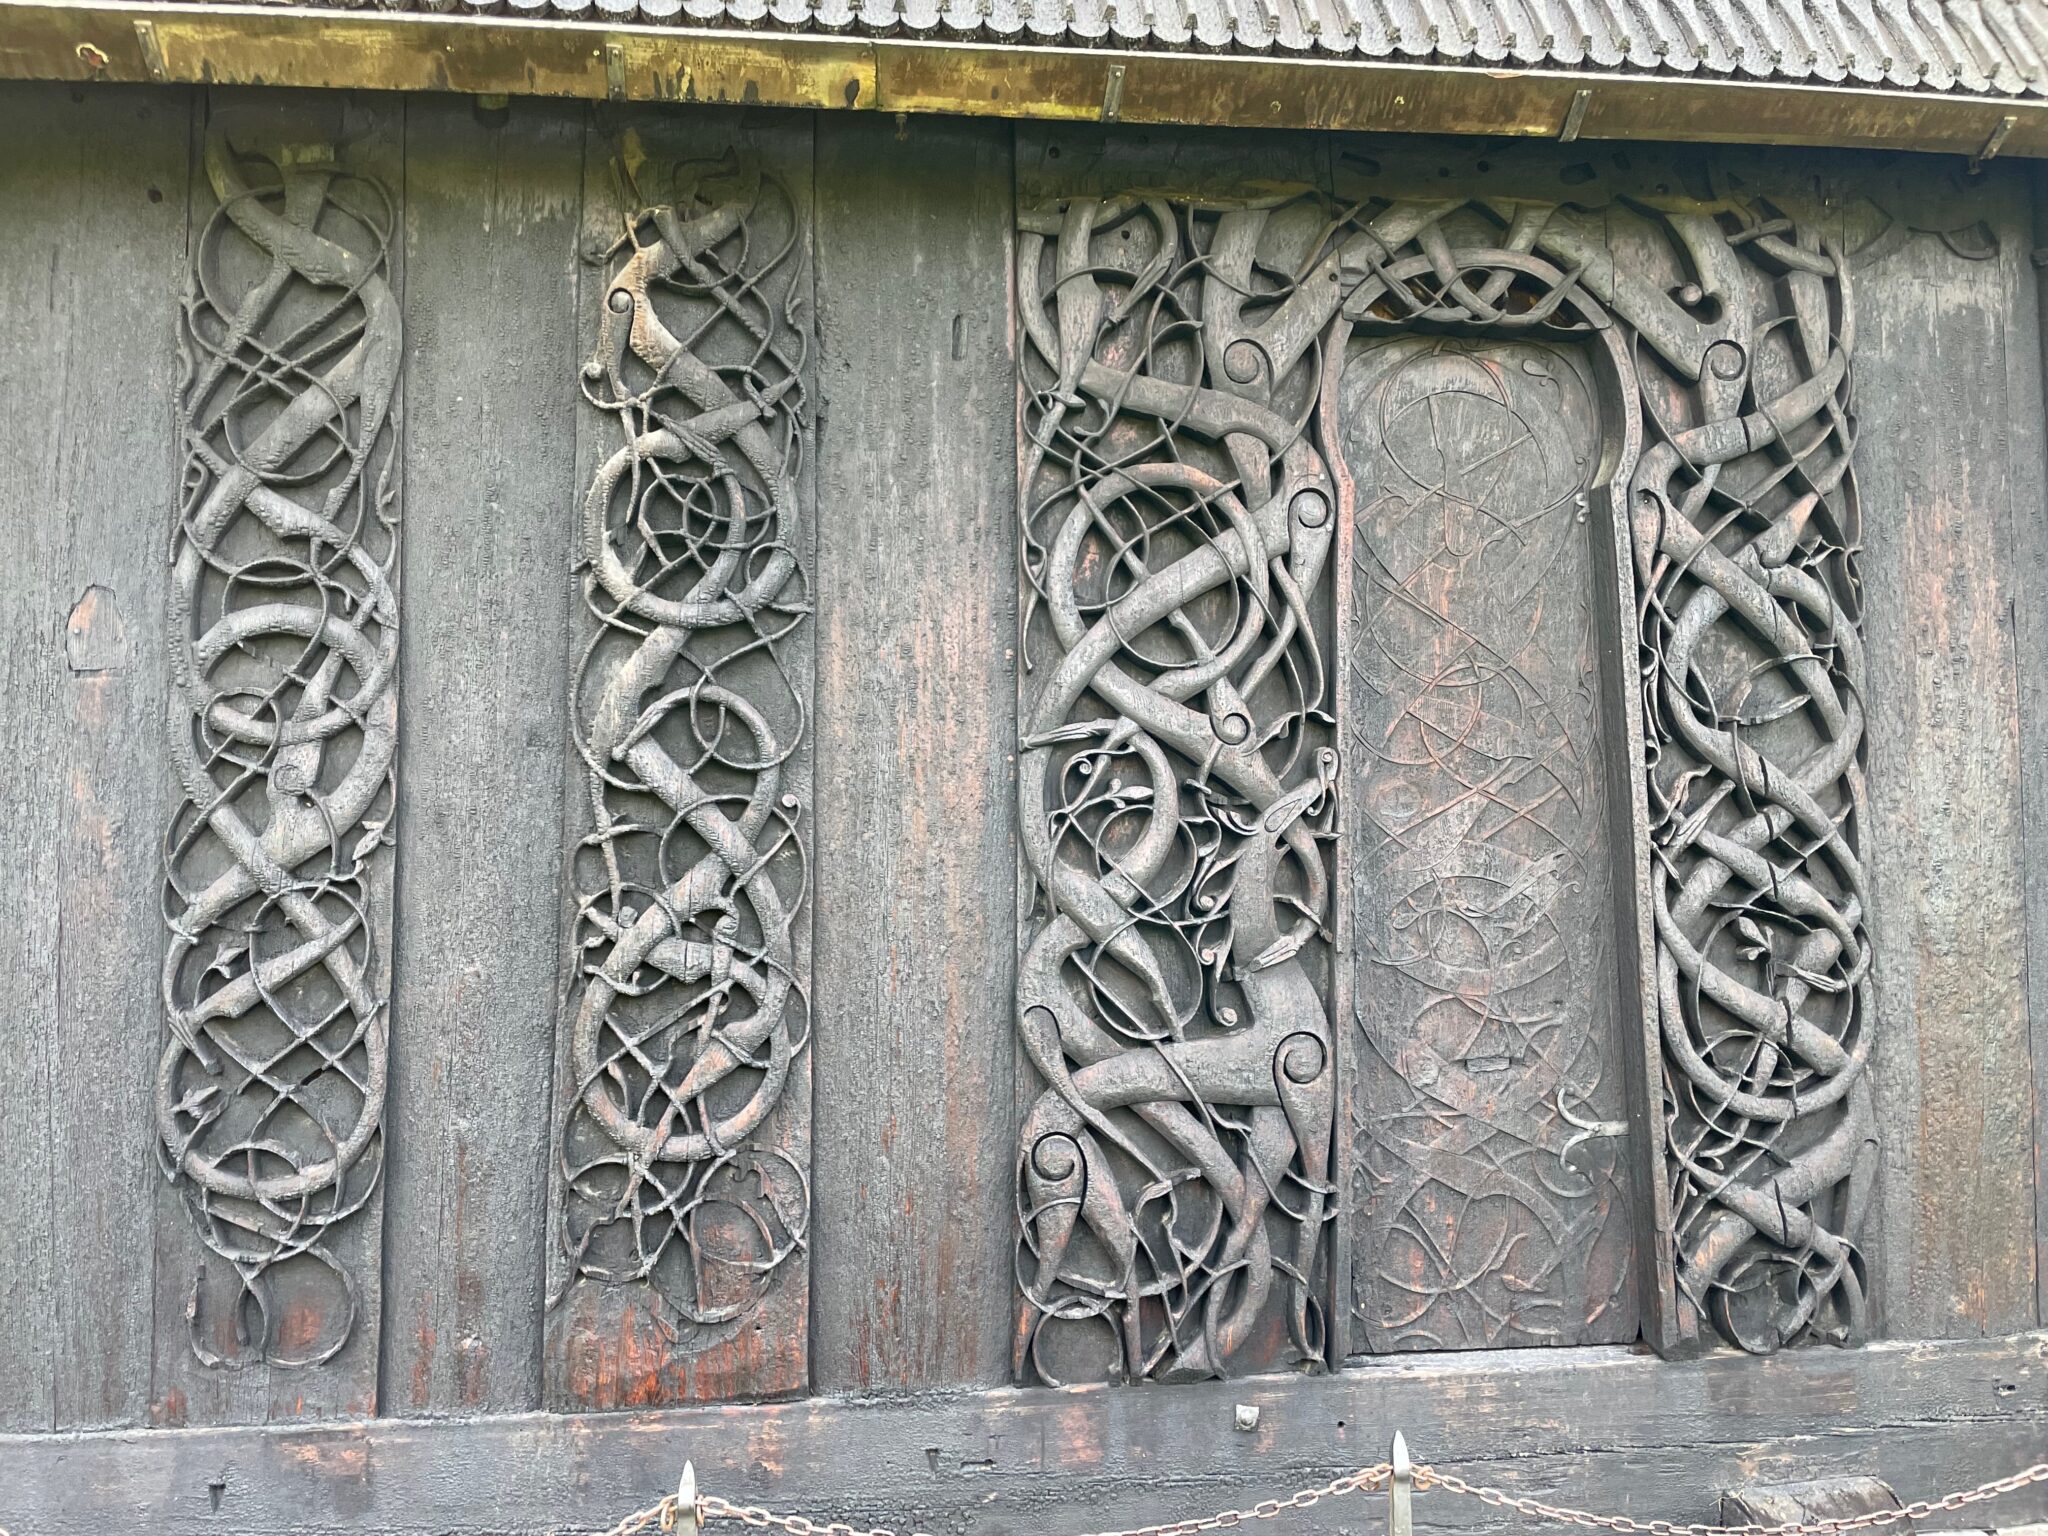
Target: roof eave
{"points": [[372, 49]]}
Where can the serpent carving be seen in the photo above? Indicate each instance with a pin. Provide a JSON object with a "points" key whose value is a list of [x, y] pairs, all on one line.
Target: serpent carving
{"points": [[1175, 774], [283, 644], [1186, 521], [688, 1011], [1747, 529]]}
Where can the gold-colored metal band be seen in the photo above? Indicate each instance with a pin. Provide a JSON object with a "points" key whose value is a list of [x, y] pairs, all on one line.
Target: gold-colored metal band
{"points": [[371, 49]]}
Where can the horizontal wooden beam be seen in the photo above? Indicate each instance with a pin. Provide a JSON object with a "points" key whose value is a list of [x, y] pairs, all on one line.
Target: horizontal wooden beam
{"points": [[1605, 1428], [374, 49]]}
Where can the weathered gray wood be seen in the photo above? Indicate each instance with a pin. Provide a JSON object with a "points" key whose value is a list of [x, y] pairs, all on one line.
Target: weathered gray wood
{"points": [[2029, 417], [914, 1142], [491, 302], [364, 136], [1829, 1498], [617, 1345], [1602, 1428], [1953, 1067], [92, 202], [1253, 1290]]}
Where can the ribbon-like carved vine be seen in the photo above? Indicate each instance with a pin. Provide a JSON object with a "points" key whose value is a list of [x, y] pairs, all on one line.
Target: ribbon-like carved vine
{"points": [[1747, 528], [283, 644], [1185, 480], [1175, 775], [688, 1012]]}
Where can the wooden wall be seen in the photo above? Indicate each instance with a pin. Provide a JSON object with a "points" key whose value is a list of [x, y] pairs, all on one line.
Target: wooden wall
{"points": [[1949, 391], [913, 826]]}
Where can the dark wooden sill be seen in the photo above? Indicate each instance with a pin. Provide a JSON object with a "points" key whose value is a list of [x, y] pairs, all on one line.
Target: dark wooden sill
{"points": [[1608, 1428]]}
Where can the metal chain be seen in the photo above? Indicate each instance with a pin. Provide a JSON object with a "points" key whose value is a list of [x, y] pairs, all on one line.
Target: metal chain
{"points": [[665, 1514], [711, 1507], [1536, 1509]]}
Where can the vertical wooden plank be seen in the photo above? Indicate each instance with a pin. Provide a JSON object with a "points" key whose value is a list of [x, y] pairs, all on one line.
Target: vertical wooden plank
{"points": [[2029, 417], [679, 1267], [310, 1349], [916, 593], [492, 203], [92, 197], [1953, 1071]]}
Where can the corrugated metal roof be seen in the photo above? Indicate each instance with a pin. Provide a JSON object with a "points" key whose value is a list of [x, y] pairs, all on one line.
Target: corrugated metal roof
{"points": [[1974, 47]]}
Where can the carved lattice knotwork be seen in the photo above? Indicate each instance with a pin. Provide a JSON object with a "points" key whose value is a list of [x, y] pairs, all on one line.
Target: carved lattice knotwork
{"points": [[688, 1011], [1185, 478], [284, 637], [1175, 775], [1746, 535]]}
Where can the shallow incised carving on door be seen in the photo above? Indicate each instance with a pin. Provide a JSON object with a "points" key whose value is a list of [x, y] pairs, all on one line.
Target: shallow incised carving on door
{"points": [[1489, 1107]]}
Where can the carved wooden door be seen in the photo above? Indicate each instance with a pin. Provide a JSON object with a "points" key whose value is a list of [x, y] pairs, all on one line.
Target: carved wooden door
{"points": [[1488, 1179]]}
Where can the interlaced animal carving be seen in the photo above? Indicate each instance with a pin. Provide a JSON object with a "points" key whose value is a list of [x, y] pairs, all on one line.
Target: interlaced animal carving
{"points": [[688, 1013], [1183, 487], [1175, 775], [283, 644]]}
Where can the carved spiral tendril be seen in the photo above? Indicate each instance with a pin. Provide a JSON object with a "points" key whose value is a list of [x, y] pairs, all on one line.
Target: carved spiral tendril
{"points": [[688, 1013], [283, 640]]}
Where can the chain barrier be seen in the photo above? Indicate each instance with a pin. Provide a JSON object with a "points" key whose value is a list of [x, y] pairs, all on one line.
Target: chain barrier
{"points": [[685, 1512], [1920, 1509]]}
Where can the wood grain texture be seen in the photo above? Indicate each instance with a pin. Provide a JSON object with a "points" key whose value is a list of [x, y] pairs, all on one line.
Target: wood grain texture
{"points": [[612, 1346], [2029, 416], [365, 136], [1828, 1498], [916, 594], [1953, 1068], [492, 214], [1487, 982], [1602, 1428], [92, 199]]}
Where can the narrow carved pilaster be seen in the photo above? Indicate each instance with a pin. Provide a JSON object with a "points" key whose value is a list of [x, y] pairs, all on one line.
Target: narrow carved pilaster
{"points": [[1176, 768], [684, 1201], [283, 643]]}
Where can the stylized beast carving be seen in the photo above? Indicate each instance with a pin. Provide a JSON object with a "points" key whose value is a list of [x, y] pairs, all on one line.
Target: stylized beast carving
{"points": [[1184, 484], [284, 645]]}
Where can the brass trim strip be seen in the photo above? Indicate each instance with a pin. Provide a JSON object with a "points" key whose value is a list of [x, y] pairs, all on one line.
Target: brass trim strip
{"points": [[373, 49]]}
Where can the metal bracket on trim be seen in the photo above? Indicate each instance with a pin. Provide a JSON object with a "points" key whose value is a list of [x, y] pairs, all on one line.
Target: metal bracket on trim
{"points": [[1575, 116], [152, 50], [1995, 143], [1113, 93]]}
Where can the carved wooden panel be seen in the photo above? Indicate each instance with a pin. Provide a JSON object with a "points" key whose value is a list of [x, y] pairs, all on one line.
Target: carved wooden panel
{"points": [[683, 1191], [284, 629], [1747, 531], [1175, 774], [1203, 416], [1489, 1103]]}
